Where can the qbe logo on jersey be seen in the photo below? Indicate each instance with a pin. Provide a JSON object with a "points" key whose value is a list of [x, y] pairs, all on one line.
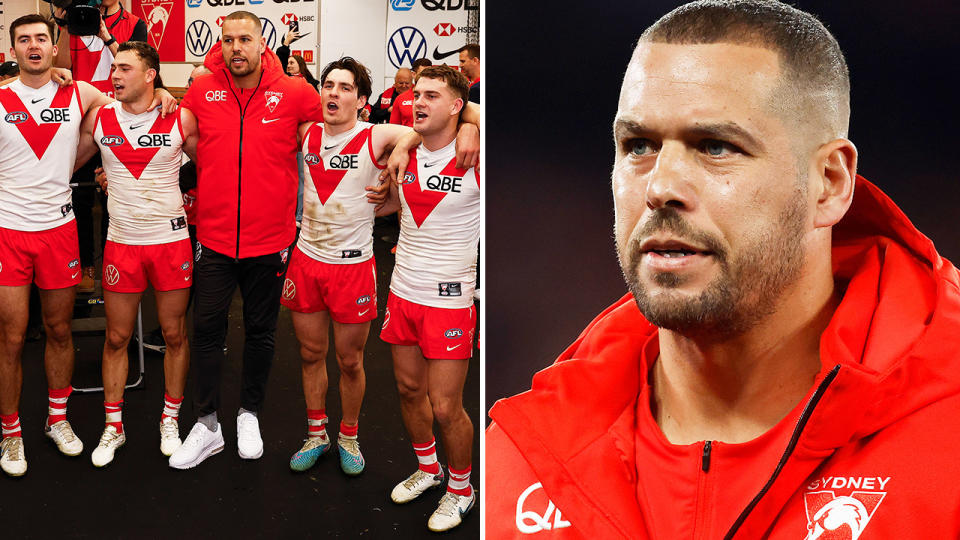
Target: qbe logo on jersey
{"points": [[840, 507]]}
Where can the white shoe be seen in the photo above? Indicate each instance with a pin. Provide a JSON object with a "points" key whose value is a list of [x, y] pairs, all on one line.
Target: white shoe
{"points": [[109, 442], [451, 510], [249, 443], [200, 444], [12, 459], [67, 441], [415, 485], [169, 436]]}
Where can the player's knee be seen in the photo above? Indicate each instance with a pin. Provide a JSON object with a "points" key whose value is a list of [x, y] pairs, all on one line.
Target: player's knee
{"points": [[410, 390], [116, 339], [351, 362], [446, 410], [13, 341], [313, 351], [174, 336], [58, 333]]}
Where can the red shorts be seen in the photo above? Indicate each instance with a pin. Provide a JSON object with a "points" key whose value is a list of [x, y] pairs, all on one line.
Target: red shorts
{"points": [[51, 257], [441, 333], [347, 291], [127, 269]]}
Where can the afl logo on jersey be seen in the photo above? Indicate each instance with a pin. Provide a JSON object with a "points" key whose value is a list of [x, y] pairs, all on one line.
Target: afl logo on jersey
{"points": [[111, 140], [453, 333], [16, 117], [409, 177], [311, 159], [365, 299]]}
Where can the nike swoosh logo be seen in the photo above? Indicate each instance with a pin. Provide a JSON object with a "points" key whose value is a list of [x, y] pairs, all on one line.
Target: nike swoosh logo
{"points": [[329, 147], [279, 273], [186, 278], [449, 348], [137, 127], [265, 121], [428, 165], [362, 313], [37, 100], [437, 55], [75, 275]]}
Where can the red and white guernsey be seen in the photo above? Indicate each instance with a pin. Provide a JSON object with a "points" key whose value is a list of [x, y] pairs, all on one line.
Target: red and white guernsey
{"points": [[39, 131], [439, 231], [337, 225], [141, 156]]}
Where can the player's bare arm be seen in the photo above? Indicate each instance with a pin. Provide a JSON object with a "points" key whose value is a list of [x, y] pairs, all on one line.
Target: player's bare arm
{"points": [[87, 147], [191, 134]]}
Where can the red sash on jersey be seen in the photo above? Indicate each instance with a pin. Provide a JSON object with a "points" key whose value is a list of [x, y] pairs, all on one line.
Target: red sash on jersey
{"points": [[38, 136], [134, 159], [326, 181], [421, 202]]}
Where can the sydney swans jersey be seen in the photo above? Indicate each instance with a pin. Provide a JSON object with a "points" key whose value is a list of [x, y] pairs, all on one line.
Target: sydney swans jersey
{"points": [[141, 156], [439, 231], [337, 223], [38, 147]]}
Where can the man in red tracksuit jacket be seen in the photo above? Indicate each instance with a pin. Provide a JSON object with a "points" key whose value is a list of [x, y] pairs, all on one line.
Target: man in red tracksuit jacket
{"points": [[247, 115], [787, 363]]}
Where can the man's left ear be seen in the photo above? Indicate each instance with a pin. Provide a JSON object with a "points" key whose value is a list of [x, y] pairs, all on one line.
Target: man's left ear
{"points": [[151, 75], [835, 167], [457, 107]]}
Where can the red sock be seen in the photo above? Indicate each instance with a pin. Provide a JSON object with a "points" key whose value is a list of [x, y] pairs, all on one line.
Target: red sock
{"points": [[427, 456], [171, 407], [114, 414], [10, 424], [57, 404], [316, 422], [459, 482], [349, 431]]}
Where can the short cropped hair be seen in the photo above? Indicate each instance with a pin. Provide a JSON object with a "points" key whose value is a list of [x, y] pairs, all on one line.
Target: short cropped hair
{"points": [[813, 64], [361, 75], [424, 62], [473, 50], [147, 54], [240, 15], [30, 19], [456, 81]]}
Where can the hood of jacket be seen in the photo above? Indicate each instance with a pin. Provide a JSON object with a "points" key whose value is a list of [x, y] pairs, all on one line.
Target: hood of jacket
{"points": [[890, 349], [269, 62]]}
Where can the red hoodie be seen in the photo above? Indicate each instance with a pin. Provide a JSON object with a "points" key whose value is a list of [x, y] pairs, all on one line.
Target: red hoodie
{"points": [[869, 449], [247, 156]]}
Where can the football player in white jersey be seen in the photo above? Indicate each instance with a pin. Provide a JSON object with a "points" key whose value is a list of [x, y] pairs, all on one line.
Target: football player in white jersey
{"points": [[147, 240], [38, 238], [332, 274], [430, 318]]}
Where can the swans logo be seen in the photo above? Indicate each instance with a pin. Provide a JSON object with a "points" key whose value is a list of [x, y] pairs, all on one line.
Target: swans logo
{"points": [[529, 521], [844, 517]]}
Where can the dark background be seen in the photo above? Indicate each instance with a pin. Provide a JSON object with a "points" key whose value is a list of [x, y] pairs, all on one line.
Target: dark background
{"points": [[553, 73]]}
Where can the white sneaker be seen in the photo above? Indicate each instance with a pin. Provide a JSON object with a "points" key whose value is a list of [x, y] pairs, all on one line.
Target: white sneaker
{"points": [[109, 442], [67, 441], [249, 443], [200, 444], [169, 436], [12, 459], [451, 510], [415, 485]]}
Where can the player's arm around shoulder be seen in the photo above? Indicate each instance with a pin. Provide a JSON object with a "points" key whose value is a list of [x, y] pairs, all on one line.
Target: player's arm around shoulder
{"points": [[91, 98], [516, 504], [87, 146], [384, 138], [191, 134]]}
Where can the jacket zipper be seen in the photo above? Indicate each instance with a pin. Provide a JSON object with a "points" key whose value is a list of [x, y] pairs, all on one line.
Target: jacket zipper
{"points": [[243, 112], [704, 502], [791, 446]]}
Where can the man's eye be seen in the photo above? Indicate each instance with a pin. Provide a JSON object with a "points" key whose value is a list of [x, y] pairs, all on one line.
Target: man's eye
{"points": [[639, 147], [716, 148]]}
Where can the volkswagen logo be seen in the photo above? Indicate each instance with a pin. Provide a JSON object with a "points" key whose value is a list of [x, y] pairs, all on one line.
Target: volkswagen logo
{"points": [[406, 45], [269, 32], [199, 38], [111, 275]]}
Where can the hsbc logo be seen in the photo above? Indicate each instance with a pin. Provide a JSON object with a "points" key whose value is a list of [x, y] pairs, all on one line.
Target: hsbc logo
{"points": [[287, 17], [111, 141], [311, 159], [220, 20], [444, 29], [529, 521], [16, 117]]}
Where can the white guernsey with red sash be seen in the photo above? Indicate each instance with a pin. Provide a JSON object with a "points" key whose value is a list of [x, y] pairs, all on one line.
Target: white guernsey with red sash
{"points": [[439, 231], [141, 156], [39, 130], [337, 225]]}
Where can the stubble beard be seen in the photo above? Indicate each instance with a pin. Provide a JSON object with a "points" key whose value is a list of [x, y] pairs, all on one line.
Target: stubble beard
{"points": [[744, 292]]}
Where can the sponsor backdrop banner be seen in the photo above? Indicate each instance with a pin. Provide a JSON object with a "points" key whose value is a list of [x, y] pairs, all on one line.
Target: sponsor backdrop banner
{"points": [[188, 29], [435, 29], [4, 40]]}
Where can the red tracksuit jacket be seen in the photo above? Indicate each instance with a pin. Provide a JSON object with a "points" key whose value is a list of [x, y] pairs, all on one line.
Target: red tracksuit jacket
{"points": [[247, 156], [870, 452]]}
